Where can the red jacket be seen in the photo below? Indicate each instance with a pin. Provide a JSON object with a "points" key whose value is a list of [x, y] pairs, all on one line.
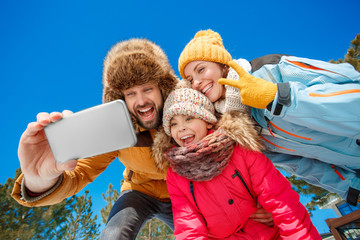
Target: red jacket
{"points": [[223, 205]]}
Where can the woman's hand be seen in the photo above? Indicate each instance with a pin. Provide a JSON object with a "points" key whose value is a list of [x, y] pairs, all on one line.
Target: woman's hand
{"points": [[255, 92]]}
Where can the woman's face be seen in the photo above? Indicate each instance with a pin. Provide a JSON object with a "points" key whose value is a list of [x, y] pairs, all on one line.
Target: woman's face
{"points": [[204, 76]]}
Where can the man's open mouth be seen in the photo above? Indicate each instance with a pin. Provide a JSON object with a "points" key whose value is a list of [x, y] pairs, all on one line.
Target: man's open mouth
{"points": [[146, 113]]}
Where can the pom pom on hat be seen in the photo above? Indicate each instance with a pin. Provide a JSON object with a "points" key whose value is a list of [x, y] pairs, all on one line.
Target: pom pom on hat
{"points": [[189, 102], [207, 45], [212, 37]]}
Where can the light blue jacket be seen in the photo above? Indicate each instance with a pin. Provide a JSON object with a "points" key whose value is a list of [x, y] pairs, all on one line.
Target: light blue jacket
{"points": [[316, 117]]}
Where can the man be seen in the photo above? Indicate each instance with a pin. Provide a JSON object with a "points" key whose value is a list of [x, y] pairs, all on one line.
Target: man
{"points": [[137, 71]]}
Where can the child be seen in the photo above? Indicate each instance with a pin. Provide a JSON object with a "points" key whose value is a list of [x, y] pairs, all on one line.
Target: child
{"points": [[215, 182], [308, 110]]}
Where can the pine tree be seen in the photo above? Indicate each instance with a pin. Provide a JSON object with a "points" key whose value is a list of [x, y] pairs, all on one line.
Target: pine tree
{"points": [[353, 54], [319, 196], [155, 229], [112, 196], [20, 222], [50, 222], [80, 224]]}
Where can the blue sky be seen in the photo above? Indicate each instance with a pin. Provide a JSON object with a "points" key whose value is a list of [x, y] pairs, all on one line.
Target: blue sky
{"points": [[51, 52]]}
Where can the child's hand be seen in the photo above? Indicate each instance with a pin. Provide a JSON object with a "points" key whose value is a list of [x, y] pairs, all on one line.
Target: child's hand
{"points": [[255, 92], [261, 215]]}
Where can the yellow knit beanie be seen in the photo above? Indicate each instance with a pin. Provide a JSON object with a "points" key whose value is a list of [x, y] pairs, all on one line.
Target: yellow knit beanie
{"points": [[205, 46]]}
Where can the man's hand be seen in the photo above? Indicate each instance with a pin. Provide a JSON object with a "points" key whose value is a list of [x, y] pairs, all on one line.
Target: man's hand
{"points": [[261, 215], [37, 162], [255, 92]]}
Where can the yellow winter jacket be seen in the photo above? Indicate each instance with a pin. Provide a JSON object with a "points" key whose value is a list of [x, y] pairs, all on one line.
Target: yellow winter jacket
{"points": [[140, 174]]}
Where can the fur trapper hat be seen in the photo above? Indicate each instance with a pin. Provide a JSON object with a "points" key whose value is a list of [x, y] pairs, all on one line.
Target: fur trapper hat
{"points": [[135, 62]]}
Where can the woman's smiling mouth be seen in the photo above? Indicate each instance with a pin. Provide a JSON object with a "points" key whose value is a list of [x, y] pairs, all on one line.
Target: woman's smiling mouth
{"points": [[207, 88]]}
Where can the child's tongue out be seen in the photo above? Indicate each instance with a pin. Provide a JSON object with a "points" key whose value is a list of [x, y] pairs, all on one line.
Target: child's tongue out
{"points": [[188, 140]]}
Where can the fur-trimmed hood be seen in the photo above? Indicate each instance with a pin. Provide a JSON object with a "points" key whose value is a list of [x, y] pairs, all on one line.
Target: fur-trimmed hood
{"points": [[237, 125], [135, 62]]}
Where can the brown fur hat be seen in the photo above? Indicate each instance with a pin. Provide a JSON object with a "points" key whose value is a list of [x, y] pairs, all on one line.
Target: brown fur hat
{"points": [[135, 62]]}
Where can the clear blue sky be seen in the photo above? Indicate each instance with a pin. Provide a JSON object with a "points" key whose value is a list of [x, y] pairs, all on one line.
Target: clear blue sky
{"points": [[51, 52]]}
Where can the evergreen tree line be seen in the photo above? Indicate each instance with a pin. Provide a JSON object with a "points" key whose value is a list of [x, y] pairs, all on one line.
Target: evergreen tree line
{"points": [[73, 219]]}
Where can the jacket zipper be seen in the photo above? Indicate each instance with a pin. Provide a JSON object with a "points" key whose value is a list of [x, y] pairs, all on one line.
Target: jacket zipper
{"points": [[311, 67], [237, 174], [332, 166], [288, 149], [192, 192], [333, 94], [282, 130], [130, 175]]}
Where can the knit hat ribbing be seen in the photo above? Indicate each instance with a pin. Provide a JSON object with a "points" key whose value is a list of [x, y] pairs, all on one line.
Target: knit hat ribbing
{"points": [[205, 46], [189, 102]]}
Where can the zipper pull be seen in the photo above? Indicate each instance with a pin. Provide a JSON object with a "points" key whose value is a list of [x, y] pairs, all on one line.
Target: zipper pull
{"points": [[337, 172], [268, 126], [236, 174]]}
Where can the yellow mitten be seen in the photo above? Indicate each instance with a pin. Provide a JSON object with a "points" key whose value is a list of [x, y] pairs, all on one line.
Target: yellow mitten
{"points": [[255, 92]]}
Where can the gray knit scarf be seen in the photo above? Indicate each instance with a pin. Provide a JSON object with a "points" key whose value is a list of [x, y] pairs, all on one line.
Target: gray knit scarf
{"points": [[204, 160]]}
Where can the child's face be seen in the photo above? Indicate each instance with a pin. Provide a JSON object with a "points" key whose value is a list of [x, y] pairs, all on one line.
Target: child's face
{"points": [[204, 76], [186, 130]]}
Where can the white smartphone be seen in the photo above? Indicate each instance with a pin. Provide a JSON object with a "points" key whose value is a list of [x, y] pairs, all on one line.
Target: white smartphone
{"points": [[90, 132]]}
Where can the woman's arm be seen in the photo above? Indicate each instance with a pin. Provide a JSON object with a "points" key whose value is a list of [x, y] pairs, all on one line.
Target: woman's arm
{"points": [[329, 108]]}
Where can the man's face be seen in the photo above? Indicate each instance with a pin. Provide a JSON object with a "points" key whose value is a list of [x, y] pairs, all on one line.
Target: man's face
{"points": [[146, 104]]}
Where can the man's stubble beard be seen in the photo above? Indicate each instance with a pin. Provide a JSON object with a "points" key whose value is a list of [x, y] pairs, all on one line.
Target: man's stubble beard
{"points": [[154, 123]]}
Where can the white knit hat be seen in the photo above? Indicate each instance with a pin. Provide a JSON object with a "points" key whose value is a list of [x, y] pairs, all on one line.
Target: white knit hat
{"points": [[189, 102]]}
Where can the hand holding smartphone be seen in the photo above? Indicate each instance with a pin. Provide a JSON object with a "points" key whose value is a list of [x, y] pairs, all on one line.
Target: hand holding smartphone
{"points": [[90, 132]]}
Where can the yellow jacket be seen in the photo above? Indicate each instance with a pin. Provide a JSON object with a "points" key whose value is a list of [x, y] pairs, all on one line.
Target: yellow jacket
{"points": [[140, 174]]}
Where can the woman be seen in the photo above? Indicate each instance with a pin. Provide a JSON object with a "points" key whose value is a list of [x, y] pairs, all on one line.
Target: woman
{"points": [[307, 110]]}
